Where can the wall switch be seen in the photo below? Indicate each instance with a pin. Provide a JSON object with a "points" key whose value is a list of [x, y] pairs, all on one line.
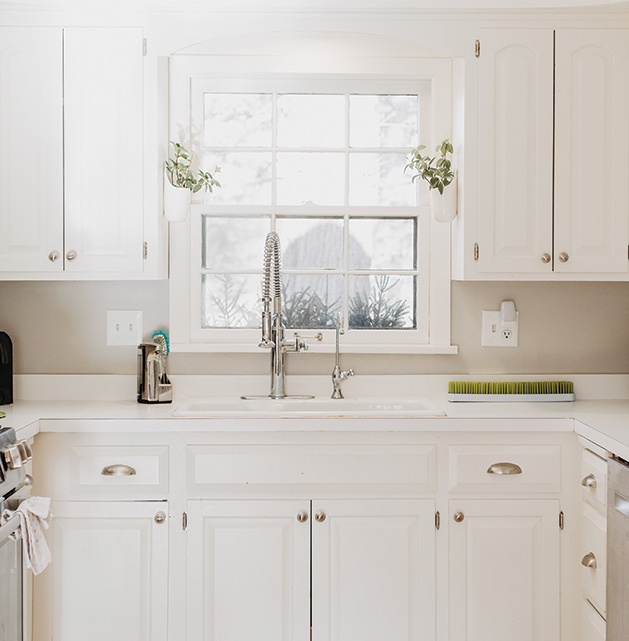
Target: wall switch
{"points": [[495, 334], [124, 327]]}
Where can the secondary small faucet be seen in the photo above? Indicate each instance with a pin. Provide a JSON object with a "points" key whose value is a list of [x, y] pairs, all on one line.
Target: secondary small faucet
{"points": [[272, 324], [338, 375]]}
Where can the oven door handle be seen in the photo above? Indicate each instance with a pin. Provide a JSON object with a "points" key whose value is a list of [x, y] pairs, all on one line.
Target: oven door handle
{"points": [[9, 527]]}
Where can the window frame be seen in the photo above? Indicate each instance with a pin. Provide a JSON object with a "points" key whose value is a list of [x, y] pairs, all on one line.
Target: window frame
{"points": [[187, 74]]}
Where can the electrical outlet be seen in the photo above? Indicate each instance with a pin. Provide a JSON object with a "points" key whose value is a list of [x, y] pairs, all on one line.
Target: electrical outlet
{"points": [[497, 335], [124, 327]]}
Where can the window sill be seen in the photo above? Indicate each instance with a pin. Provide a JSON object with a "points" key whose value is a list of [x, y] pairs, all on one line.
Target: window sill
{"points": [[246, 348]]}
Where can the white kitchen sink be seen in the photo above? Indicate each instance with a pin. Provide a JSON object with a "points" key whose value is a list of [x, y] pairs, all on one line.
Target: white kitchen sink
{"points": [[319, 407]]}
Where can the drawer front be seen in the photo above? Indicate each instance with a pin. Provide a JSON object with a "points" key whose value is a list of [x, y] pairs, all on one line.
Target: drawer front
{"points": [[593, 624], [594, 480], [594, 547], [405, 467], [504, 469]]}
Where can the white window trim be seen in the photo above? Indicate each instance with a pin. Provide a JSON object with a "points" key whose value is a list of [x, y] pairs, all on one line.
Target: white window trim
{"points": [[183, 70]]}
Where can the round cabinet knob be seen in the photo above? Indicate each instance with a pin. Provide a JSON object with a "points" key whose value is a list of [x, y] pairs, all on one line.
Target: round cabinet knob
{"points": [[589, 561], [320, 516], [302, 517], [459, 516], [589, 481], [160, 518], [53, 256], [563, 257], [545, 258], [71, 255]]}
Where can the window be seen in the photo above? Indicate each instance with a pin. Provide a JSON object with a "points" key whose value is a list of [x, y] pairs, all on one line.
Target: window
{"points": [[321, 161]]}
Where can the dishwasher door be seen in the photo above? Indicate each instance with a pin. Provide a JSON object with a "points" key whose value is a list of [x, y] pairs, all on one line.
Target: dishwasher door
{"points": [[617, 551]]}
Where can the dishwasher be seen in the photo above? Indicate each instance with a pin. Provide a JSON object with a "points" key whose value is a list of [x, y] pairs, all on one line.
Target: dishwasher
{"points": [[617, 550]]}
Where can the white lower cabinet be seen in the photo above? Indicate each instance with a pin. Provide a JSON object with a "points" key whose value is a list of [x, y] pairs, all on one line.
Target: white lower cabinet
{"points": [[109, 575], [504, 570], [356, 570]]}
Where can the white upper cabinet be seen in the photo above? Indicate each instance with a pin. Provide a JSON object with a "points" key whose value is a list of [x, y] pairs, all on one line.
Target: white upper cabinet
{"points": [[592, 143], [515, 151], [31, 149]]}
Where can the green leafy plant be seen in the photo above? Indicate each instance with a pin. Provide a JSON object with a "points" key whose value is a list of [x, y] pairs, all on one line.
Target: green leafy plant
{"points": [[436, 171], [180, 173], [376, 311]]}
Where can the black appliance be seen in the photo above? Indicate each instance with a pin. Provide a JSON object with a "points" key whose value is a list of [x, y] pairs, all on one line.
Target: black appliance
{"points": [[6, 369]]}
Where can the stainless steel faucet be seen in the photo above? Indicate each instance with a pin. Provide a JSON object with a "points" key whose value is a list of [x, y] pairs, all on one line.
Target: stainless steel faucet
{"points": [[272, 323], [338, 375]]}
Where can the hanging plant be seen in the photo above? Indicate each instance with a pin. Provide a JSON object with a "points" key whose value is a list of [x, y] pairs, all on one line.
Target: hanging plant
{"points": [[436, 171], [180, 174]]}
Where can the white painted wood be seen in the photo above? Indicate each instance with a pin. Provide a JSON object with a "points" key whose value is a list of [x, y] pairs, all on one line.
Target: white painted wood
{"points": [[540, 465], [593, 624], [504, 570], [248, 571], [515, 149], [109, 575], [594, 540], [31, 149], [594, 465], [591, 142], [103, 75], [373, 570]]}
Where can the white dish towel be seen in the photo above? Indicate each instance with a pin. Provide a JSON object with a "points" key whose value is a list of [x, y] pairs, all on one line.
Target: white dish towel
{"points": [[35, 516]]}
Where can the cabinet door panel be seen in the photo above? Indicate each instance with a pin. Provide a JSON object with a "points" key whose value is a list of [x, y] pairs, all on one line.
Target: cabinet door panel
{"points": [[592, 138], [248, 571], [109, 575], [31, 149], [373, 570], [504, 570], [103, 149], [515, 150]]}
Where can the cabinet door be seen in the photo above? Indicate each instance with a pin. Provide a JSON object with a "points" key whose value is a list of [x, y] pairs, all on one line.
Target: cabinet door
{"points": [[109, 574], [103, 149], [373, 570], [248, 571], [31, 149], [515, 150], [591, 159], [504, 570]]}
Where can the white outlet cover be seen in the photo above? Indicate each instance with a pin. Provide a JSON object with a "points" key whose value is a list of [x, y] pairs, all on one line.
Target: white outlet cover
{"points": [[124, 327], [494, 334]]}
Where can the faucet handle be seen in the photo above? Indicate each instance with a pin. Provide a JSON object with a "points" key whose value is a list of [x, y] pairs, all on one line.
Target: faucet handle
{"points": [[295, 344], [266, 344]]}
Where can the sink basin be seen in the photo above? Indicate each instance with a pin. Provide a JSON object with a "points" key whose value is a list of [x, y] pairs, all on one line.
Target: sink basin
{"points": [[318, 407]]}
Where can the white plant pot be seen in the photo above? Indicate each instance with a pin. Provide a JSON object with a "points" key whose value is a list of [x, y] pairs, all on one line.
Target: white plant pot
{"points": [[176, 202], [444, 206]]}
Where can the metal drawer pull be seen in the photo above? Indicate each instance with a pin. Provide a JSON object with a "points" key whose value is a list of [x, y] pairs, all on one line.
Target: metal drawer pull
{"points": [[589, 481], [302, 517], [320, 516], [504, 469], [459, 516], [589, 561], [160, 517], [118, 470]]}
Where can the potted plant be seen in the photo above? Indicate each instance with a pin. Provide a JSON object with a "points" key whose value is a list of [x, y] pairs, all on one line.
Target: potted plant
{"points": [[180, 180], [438, 173]]}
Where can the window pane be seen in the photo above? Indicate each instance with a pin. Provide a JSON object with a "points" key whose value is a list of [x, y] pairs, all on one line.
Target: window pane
{"points": [[317, 178], [379, 179], [230, 300], [382, 302], [245, 178], [310, 120], [311, 243], [233, 243], [377, 243], [311, 300], [237, 120], [383, 121]]}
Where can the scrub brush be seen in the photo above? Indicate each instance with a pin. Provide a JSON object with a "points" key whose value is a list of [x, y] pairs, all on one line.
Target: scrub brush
{"points": [[160, 337]]}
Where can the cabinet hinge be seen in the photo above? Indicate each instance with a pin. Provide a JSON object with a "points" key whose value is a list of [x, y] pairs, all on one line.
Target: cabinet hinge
{"points": [[476, 252], [437, 520], [561, 520], [144, 46], [477, 48], [145, 251], [628, 252], [184, 521]]}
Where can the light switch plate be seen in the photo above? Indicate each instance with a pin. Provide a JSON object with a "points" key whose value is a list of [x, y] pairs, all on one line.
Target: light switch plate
{"points": [[124, 327], [495, 334]]}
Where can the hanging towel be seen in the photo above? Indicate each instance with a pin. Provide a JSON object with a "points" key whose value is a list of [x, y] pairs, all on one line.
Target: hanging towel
{"points": [[35, 515]]}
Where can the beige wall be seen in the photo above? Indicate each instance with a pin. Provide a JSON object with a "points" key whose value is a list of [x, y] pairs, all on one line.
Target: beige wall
{"points": [[564, 328]]}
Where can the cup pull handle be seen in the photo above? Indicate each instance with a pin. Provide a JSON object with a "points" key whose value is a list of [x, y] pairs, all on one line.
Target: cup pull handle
{"points": [[589, 561], [504, 469], [589, 481], [119, 469]]}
